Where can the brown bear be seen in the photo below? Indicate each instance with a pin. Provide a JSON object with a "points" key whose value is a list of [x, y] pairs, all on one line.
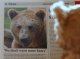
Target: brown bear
{"points": [[28, 28], [69, 30]]}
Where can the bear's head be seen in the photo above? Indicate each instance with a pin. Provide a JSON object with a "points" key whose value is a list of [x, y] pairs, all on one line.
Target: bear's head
{"points": [[27, 26]]}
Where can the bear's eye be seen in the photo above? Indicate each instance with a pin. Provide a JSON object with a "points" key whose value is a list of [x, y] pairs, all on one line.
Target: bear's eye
{"points": [[19, 27]]}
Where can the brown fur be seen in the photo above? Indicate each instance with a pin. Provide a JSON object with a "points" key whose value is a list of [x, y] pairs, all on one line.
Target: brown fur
{"points": [[69, 32]]}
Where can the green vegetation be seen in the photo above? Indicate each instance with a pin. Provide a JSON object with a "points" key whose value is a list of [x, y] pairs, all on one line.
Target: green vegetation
{"points": [[7, 23]]}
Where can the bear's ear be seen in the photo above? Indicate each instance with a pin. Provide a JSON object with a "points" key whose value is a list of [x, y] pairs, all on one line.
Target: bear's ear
{"points": [[12, 13], [41, 14]]}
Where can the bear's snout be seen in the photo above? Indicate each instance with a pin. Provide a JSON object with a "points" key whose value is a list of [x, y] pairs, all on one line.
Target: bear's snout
{"points": [[24, 40]]}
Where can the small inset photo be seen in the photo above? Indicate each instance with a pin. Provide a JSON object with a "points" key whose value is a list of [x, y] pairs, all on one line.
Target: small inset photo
{"points": [[25, 27]]}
